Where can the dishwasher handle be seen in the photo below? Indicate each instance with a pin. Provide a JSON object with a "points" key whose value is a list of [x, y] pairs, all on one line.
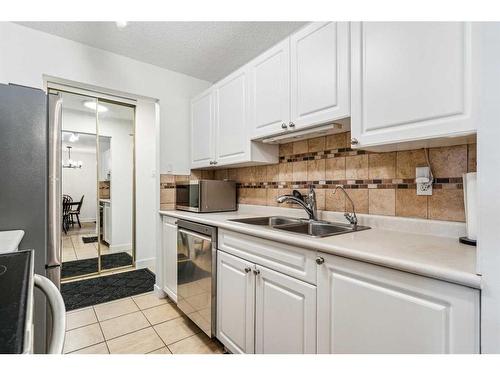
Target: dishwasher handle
{"points": [[196, 235], [58, 309]]}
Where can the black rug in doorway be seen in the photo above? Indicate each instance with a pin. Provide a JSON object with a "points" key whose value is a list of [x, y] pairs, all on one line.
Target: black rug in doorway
{"points": [[83, 293], [89, 239], [87, 266]]}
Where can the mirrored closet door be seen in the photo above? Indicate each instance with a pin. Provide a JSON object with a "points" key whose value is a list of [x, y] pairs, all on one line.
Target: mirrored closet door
{"points": [[97, 186]]}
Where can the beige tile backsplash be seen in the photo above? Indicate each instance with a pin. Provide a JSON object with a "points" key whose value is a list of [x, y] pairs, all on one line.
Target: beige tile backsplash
{"points": [[378, 183]]}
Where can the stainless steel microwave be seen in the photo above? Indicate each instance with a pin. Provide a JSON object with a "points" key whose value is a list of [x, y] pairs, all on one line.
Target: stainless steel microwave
{"points": [[206, 196]]}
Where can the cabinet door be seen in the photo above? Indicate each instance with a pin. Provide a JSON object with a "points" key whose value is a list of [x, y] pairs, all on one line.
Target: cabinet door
{"points": [[202, 129], [320, 79], [412, 81], [169, 247], [285, 314], [364, 308], [269, 88], [235, 303], [232, 140]]}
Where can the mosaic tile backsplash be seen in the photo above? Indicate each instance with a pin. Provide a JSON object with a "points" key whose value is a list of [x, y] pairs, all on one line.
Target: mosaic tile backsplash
{"points": [[378, 183]]}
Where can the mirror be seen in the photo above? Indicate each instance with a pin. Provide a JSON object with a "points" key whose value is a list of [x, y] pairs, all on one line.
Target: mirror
{"points": [[78, 186], [116, 187], [97, 185]]}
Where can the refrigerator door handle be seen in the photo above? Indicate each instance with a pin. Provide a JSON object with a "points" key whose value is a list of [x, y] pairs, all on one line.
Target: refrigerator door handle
{"points": [[58, 309], [54, 201]]}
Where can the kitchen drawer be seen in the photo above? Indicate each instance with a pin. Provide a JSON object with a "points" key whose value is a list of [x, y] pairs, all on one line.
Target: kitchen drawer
{"points": [[170, 220], [292, 261]]}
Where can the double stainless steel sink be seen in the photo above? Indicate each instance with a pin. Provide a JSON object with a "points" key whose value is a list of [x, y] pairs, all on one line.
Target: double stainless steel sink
{"points": [[313, 228]]}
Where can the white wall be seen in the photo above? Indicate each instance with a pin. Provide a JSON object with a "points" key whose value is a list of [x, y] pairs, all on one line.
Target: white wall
{"points": [[147, 179], [26, 55], [488, 160], [82, 181]]}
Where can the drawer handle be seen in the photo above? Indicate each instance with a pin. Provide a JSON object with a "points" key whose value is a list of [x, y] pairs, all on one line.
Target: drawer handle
{"points": [[320, 260], [256, 272], [291, 124], [247, 269], [354, 141]]}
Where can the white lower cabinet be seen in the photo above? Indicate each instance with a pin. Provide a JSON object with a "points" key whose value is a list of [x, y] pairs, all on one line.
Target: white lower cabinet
{"points": [[169, 244], [285, 314], [363, 308], [263, 311], [355, 307], [235, 303]]}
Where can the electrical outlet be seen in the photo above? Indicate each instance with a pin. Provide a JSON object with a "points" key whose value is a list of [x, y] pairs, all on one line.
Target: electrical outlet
{"points": [[423, 180], [424, 189]]}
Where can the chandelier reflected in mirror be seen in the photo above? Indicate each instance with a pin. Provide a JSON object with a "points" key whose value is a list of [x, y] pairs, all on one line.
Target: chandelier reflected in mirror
{"points": [[75, 164]]}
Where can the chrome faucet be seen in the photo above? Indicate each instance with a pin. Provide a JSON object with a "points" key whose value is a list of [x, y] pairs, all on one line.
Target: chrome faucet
{"points": [[309, 204], [351, 217]]}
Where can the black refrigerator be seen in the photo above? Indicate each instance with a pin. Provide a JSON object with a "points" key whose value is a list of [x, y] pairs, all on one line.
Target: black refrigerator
{"points": [[29, 175]]}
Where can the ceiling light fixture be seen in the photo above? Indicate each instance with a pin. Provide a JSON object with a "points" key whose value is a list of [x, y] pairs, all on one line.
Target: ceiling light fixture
{"points": [[73, 164], [92, 105], [121, 24], [74, 137]]}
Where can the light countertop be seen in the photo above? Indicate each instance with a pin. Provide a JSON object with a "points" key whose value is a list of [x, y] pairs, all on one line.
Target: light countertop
{"points": [[438, 257], [10, 240]]}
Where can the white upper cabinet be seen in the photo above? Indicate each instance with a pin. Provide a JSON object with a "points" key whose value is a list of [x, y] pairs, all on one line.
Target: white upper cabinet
{"points": [[301, 82], [270, 91], [231, 136], [320, 80], [202, 130], [412, 81], [363, 308], [220, 132]]}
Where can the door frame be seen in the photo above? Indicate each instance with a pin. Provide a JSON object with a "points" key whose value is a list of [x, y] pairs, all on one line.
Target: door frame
{"points": [[118, 100]]}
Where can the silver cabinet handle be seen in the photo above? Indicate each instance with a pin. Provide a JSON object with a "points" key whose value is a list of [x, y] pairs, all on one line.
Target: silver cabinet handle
{"points": [[291, 124], [283, 125], [354, 141], [215, 162], [58, 309], [247, 269], [320, 260], [211, 162], [256, 272]]}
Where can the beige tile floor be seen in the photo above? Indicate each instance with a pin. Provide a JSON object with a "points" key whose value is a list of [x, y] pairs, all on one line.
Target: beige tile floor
{"points": [[75, 249], [142, 324]]}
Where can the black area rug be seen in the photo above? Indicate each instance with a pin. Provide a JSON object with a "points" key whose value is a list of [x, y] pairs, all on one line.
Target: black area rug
{"points": [[83, 293], [89, 239], [87, 266]]}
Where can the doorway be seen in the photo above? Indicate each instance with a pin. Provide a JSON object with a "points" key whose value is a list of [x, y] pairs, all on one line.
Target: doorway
{"points": [[97, 185]]}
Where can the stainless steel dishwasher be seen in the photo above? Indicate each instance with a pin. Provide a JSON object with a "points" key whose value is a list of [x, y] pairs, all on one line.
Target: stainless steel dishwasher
{"points": [[196, 273]]}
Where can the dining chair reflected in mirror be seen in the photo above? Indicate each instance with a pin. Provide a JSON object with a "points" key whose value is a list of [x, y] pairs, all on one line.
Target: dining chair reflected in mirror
{"points": [[66, 206], [75, 213]]}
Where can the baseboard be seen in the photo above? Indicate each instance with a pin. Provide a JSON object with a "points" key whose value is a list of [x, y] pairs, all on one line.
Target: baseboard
{"points": [[146, 263], [159, 292], [122, 247], [87, 220]]}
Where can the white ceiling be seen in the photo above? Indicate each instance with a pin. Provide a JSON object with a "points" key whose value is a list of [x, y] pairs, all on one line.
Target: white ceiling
{"points": [[205, 50]]}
